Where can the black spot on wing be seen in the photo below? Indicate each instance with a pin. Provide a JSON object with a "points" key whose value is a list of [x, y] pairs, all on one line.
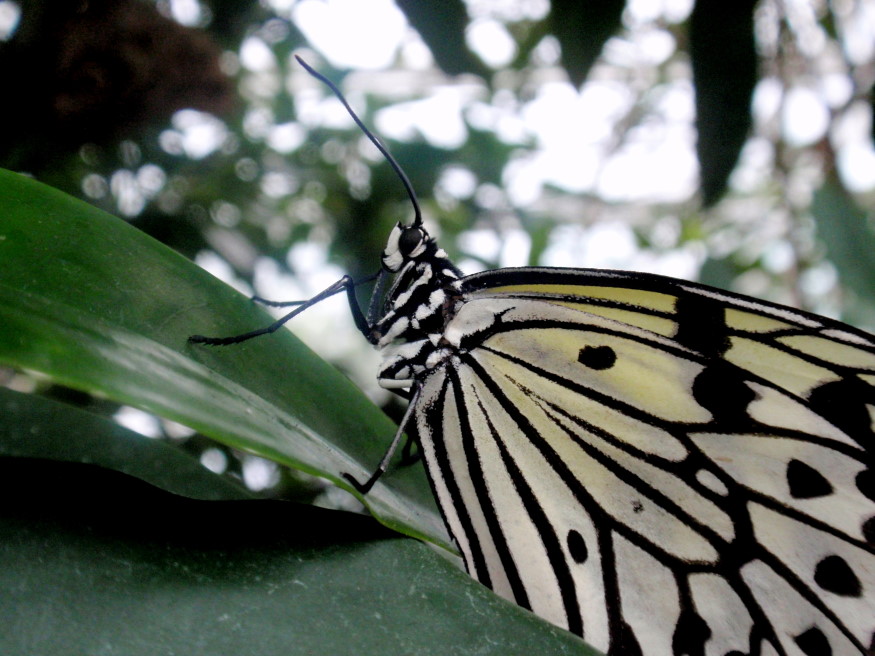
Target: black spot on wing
{"points": [[690, 635], [813, 643], [577, 547], [833, 574], [597, 357], [865, 482], [721, 390], [868, 529], [843, 403], [805, 482], [702, 325]]}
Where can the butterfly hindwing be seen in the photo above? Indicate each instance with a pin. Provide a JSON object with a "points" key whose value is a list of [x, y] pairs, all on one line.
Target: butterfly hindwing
{"points": [[656, 464]]}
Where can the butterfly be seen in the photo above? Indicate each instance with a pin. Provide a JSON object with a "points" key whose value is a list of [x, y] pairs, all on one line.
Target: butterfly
{"points": [[655, 465]]}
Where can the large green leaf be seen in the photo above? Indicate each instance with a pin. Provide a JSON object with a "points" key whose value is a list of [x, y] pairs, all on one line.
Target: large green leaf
{"points": [[97, 305], [97, 563]]}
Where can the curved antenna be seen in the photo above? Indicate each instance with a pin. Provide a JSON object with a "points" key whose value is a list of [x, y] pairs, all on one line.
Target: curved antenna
{"points": [[417, 213]]}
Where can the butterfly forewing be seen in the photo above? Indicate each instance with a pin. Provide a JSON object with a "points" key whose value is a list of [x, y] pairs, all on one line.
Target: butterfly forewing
{"points": [[649, 487]]}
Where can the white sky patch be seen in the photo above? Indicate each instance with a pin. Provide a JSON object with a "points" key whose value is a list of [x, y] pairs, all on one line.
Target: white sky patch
{"points": [[10, 16], [259, 474], [286, 137], [482, 243], [256, 55], [754, 165], [352, 33], [195, 134], [663, 170], [509, 10], [215, 264], [138, 421], [437, 118], [608, 245], [612, 245], [490, 40], [458, 182], [804, 117], [572, 131], [836, 89], [856, 163], [186, 12], [515, 248], [766, 102], [859, 33], [849, 135], [215, 460]]}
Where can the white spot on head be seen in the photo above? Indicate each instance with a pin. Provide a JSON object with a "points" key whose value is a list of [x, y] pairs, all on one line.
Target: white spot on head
{"points": [[392, 258]]}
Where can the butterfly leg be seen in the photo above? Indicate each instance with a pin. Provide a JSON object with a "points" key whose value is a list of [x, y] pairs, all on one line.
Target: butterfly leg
{"points": [[365, 487], [345, 284]]}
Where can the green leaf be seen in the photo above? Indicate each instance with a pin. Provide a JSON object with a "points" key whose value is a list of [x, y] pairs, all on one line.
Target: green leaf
{"points": [[34, 427], [442, 25], [718, 272], [582, 28], [846, 232], [98, 563], [723, 54], [98, 306]]}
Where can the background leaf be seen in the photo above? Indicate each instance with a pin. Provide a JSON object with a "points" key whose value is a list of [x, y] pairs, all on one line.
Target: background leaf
{"points": [[582, 29], [442, 26], [724, 58], [846, 231], [35, 427]]}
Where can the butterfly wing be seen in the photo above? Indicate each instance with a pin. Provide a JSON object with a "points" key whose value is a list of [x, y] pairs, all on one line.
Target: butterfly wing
{"points": [[657, 466]]}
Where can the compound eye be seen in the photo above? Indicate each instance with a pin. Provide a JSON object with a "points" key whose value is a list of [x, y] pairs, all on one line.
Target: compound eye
{"points": [[411, 241]]}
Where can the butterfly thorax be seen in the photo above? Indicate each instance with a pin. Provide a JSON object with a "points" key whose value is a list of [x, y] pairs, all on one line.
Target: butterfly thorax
{"points": [[419, 304]]}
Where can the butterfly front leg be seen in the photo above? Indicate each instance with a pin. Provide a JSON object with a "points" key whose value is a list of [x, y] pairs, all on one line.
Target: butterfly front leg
{"points": [[345, 284]]}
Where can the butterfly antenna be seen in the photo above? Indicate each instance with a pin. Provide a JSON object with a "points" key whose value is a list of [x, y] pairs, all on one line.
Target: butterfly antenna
{"points": [[417, 218]]}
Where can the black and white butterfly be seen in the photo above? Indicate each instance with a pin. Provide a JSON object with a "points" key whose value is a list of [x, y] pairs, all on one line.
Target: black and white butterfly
{"points": [[655, 465]]}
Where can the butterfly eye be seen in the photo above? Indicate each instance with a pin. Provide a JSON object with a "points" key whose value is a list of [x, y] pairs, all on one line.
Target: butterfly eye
{"points": [[411, 241]]}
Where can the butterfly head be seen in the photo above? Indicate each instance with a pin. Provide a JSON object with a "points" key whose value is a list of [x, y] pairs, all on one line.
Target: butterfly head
{"points": [[407, 243]]}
